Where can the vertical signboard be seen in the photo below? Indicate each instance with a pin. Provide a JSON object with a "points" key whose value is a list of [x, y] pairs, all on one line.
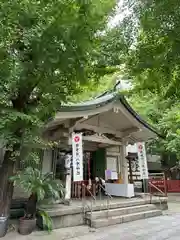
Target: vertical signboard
{"points": [[77, 153], [142, 160]]}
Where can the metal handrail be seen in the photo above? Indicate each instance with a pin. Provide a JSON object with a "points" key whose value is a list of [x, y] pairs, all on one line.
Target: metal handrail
{"points": [[109, 197], [101, 186], [89, 191], [159, 190], [86, 205]]}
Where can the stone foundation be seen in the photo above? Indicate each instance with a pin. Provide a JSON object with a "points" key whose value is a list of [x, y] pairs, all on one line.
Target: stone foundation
{"points": [[71, 216]]}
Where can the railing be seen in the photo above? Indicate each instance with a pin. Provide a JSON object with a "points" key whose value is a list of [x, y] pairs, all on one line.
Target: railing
{"points": [[163, 194], [157, 187], [157, 183], [108, 198], [82, 190], [169, 186], [85, 205], [78, 191]]}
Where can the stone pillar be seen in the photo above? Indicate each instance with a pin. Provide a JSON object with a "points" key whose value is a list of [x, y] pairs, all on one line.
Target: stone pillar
{"points": [[68, 159], [119, 165], [68, 186], [124, 165]]}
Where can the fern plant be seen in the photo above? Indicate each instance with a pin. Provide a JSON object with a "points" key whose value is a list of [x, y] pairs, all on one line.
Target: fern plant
{"points": [[39, 186]]}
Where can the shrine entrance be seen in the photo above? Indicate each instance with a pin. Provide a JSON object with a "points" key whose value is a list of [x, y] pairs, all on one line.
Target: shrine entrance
{"points": [[107, 121], [94, 165]]}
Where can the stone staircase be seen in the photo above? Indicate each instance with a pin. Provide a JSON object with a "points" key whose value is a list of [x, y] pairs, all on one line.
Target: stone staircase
{"points": [[113, 216], [120, 211]]}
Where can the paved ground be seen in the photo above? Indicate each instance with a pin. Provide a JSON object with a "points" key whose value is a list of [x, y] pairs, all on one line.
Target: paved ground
{"points": [[157, 228]]}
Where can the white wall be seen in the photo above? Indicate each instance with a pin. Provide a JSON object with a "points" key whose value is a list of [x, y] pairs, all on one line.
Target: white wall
{"points": [[113, 158]]}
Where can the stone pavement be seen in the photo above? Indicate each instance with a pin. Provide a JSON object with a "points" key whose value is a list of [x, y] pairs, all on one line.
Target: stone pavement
{"points": [[157, 228]]}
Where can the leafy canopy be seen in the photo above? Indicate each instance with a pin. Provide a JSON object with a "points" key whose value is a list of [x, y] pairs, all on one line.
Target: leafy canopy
{"points": [[48, 50], [154, 59], [153, 63]]}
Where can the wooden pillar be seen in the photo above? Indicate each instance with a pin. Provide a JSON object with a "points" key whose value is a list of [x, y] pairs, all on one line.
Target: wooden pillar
{"points": [[130, 170], [124, 165]]}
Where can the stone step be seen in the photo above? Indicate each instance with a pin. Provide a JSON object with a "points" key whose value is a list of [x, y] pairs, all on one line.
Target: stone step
{"points": [[119, 204], [120, 211], [104, 222]]}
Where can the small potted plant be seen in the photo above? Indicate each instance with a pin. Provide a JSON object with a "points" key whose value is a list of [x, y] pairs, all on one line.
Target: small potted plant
{"points": [[39, 186]]}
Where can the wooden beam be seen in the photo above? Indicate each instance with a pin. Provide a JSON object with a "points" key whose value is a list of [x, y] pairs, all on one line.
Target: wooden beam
{"points": [[129, 131], [75, 122], [98, 129]]}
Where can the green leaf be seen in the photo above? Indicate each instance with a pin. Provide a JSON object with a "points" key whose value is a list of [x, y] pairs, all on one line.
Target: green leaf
{"points": [[47, 221]]}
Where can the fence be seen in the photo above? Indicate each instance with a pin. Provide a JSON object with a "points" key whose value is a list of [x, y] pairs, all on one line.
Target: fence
{"points": [[173, 186], [79, 191], [157, 184], [170, 186]]}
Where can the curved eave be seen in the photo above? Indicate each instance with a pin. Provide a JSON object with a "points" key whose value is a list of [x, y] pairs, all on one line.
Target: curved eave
{"points": [[89, 105], [104, 100]]}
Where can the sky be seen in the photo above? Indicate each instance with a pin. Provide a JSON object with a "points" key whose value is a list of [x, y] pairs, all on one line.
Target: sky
{"points": [[121, 12]]}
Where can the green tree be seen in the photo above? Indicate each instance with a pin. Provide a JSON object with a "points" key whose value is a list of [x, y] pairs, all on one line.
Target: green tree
{"points": [[48, 49], [165, 118], [153, 64], [154, 59]]}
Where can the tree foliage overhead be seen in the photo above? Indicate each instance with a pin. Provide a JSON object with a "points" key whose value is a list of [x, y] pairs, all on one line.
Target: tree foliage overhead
{"points": [[155, 58], [164, 117], [153, 63], [47, 50]]}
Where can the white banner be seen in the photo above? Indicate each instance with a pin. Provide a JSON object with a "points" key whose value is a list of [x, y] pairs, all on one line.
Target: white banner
{"points": [[77, 153], [142, 160]]}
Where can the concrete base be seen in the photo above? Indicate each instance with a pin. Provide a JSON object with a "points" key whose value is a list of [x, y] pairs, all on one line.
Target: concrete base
{"points": [[63, 219], [74, 215], [162, 206]]}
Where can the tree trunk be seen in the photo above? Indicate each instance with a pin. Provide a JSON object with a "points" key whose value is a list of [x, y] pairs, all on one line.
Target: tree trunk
{"points": [[31, 206], [6, 186]]}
